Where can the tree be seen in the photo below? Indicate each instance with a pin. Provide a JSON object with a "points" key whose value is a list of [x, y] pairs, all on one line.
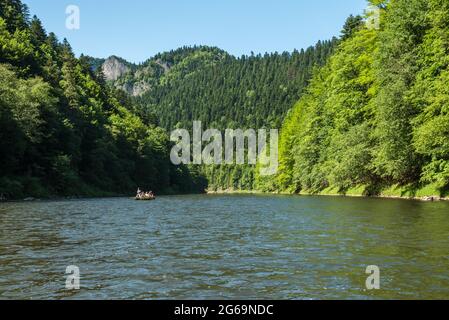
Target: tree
{"points": [[38, 32], [63, 130], [15, 14], [430, 93], [352, 24], [405, 27]]}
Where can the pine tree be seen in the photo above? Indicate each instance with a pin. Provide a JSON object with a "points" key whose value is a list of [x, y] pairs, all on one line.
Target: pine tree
{"points": [[352, 24], [15, 13], [38, 32]]}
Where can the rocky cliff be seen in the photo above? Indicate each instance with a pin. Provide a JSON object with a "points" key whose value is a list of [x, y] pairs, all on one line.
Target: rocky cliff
{"points": [[114, 68]]}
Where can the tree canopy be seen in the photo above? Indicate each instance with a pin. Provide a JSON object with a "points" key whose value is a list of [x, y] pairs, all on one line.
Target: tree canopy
{"points": [[376, 114], [63, 131]]}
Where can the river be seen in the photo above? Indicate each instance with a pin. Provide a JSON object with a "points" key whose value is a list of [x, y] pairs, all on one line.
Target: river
{"points": [[225, 247]]}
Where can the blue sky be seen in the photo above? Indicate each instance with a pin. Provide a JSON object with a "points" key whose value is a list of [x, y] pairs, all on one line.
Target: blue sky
{"points": [[138, 29]]}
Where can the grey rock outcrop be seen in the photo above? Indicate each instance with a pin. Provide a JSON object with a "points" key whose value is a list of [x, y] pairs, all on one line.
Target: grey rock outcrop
{"points": [[114, 68]]}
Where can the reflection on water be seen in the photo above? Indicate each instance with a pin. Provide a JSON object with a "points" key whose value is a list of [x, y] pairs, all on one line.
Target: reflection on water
{"points": [[220, 247]]}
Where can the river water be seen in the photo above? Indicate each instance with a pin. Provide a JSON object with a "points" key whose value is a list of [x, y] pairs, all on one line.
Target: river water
{"points": [[225, 247]]}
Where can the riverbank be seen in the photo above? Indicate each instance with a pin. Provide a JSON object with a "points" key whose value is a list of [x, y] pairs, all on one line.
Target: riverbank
{"points": [[426, 193], [87, 196]]}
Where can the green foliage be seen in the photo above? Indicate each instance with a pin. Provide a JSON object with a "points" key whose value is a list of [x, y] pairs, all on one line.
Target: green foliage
{"points": [[325, 139], [431, 95], [377, 114], [63, 131], [372, 112], [405, 24], [16, 48], [352, 25], [208, 85], [15, 13]]}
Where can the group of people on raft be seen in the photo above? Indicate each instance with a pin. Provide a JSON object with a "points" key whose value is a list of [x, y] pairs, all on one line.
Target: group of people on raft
{"points": [[141, 195]]}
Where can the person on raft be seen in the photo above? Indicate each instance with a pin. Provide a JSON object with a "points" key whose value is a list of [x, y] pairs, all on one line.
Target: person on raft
{"points": [[141, 194]]}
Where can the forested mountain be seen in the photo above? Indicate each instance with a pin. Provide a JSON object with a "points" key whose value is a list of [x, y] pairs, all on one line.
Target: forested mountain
{"points": [[208, 85], [370, 110], [376, 116], [212, 86], [138, 80], [63, 130]]}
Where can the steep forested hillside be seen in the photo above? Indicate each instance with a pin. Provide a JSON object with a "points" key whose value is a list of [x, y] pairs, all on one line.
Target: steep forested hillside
{"points": [[63, 131], [376, 116], [207, 84], [248, 92], [149, 77]]}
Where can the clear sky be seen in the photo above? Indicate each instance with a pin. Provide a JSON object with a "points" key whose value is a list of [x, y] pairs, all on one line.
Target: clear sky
{"points": [[138, 29]]}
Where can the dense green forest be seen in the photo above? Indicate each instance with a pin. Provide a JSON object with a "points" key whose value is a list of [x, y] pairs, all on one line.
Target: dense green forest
{"points": [[206, 84], [375, 118], [222, 91], [365, 113], [64, 131]]}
